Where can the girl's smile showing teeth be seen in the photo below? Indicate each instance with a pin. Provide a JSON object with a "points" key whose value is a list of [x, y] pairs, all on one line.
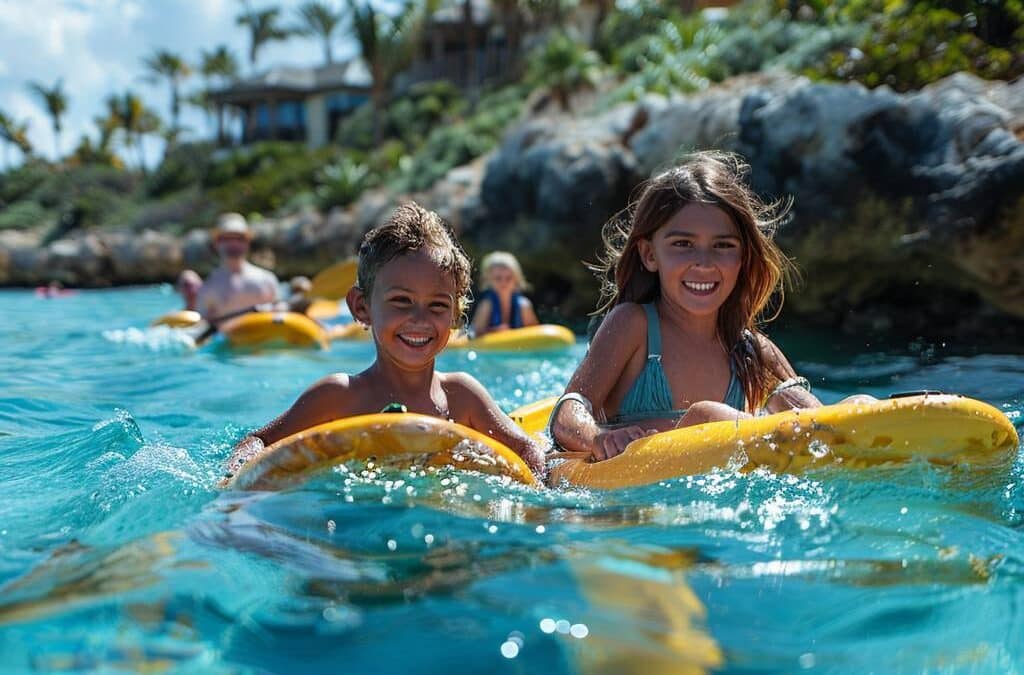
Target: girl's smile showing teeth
{"points": [[701, 287]]}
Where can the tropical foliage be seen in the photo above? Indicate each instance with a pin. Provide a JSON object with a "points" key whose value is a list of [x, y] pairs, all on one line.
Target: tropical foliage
{"points": [[409, 136]]}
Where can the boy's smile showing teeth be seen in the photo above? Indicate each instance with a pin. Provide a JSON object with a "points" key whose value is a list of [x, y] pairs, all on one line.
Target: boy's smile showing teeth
{"points": [[414, 340]]}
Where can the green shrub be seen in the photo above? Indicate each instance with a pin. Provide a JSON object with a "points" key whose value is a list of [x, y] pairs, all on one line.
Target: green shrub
{"points": [[408, 118], [21, 182], [183, 167], [340, 183], [632, 22], [23, 215], [262, 179], [449, 146], [907, 45], [563, 66], [250, 160]]}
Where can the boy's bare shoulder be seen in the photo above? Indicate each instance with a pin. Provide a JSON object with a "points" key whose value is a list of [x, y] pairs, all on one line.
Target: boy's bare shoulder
{"points": [[332, 386], [461, 383]]}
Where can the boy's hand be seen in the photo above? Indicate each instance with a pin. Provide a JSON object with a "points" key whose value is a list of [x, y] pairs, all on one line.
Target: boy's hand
{"points": [[608, 444], [246, 449], [536, 460]]}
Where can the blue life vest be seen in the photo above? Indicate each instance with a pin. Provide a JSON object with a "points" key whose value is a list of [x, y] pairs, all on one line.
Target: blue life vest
{"points": [[515, 319]]}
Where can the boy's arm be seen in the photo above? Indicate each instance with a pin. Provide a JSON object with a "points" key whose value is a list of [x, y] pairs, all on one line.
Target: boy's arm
{"points": [[324, 401], [486, 417]]}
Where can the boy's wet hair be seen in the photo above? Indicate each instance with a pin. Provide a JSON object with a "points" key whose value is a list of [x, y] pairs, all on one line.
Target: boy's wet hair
{"points": [[412, 228]]}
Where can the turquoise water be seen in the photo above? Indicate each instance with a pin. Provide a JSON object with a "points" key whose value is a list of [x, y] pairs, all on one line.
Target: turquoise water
{"points": [[117, 553]]}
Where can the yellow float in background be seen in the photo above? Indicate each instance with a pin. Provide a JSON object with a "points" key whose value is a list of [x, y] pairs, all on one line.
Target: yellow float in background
{"points": [[533, 417], [185, 318], [351, 332], [334, 282], [270, 329], [942, 429], [321, 309], [545, 337], [389, 439]]}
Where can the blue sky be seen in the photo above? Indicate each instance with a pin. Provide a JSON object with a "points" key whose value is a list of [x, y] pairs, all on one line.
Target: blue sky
{"points": [[97, 46]]}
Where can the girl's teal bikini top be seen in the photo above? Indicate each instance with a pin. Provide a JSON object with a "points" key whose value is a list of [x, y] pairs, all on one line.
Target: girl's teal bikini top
{"points": [[650, 396]]}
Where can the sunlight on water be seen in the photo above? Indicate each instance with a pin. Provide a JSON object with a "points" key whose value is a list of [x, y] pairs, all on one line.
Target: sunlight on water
{"points": [[118, 553]]}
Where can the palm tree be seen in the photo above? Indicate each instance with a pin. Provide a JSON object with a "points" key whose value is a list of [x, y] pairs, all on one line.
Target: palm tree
{"points": [[263, 28], [18, 134], [168, 65], [55, 101], [130, 115], [319, 20], [564, 66], [12, 133], [218, 67], [5, 127], [387, 44]]}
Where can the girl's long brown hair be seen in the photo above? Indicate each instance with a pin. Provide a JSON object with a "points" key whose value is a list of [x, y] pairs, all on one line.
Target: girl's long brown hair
{"points": [[716, 178]]}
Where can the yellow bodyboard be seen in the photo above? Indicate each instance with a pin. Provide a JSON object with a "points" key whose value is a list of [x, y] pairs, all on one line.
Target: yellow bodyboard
{"points": [[942, 429], [267, 329], [185, 318], [389, 439], [545, 337]]}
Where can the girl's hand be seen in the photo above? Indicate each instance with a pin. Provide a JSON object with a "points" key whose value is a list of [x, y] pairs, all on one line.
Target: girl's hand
{"points": [[791, 399], [608, 444]]}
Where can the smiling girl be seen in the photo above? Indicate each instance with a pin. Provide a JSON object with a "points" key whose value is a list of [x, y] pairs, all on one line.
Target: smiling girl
{"points": [[411, 289], [687, 277]]}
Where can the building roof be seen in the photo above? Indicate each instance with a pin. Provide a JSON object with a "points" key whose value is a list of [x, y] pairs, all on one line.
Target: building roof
{"points": [[450, 12], [297, 81]]}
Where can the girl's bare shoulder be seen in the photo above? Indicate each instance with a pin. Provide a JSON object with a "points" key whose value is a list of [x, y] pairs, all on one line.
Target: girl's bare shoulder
{"points": [[624, 320]]}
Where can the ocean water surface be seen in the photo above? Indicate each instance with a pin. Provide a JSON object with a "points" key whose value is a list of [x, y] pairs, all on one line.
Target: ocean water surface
{"points": [[117, 552]]}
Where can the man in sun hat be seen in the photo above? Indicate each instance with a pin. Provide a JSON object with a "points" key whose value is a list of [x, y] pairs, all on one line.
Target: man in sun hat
{"points": [[236, 284]]}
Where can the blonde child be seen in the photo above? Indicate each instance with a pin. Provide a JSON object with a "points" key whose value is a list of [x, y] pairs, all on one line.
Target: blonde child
{"points": [[502, 304], [412, 286], [687, 277]]}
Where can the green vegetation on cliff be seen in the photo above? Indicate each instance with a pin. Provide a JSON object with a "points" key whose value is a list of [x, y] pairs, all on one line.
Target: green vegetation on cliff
{"points": [[425, 130]]}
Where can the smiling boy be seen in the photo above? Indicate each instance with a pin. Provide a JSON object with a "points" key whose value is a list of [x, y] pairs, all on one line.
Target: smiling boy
{"points": [[411, 289]]}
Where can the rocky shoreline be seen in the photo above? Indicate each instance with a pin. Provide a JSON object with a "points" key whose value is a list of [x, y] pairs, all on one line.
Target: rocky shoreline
{"points": [[908, 212]]}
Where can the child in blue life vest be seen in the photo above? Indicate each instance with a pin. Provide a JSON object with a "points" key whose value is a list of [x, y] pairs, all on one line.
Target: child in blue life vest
{"points": [[502, 304]]}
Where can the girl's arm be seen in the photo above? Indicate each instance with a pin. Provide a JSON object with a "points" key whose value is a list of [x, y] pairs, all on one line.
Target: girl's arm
{"points": [[789, 397], [486, 417], [324, 401], [617, 340], [481, 317], [526, 312]]}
